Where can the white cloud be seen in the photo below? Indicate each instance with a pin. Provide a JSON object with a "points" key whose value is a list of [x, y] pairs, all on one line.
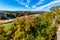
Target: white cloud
{"points": [[38, 3], [28, 1], [22, 3], [26, 6], [33, 6], [49, 4]]}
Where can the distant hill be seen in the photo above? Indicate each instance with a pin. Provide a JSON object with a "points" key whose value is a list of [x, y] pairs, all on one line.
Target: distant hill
{"points": [[4, 15]]}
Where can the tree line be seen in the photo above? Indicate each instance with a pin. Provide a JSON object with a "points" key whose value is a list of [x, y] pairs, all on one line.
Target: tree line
{"points": [[5, 15]]}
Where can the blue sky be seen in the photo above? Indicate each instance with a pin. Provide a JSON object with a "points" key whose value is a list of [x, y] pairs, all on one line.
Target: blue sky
{"points": [[28, 5]]}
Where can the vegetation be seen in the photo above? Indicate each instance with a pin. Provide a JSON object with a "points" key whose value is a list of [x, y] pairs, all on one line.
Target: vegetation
{"points": [[42, 27], [14, 14], [8, 25]]}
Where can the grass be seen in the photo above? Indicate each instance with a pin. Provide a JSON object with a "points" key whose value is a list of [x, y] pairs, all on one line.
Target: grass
{"points": [[7, 25]]}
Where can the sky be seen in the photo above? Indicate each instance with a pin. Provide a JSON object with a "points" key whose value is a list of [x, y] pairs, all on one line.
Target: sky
{"points": [[28, 5]]}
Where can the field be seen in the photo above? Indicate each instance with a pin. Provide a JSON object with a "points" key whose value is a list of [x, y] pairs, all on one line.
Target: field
{"points": [[7, 25]]}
